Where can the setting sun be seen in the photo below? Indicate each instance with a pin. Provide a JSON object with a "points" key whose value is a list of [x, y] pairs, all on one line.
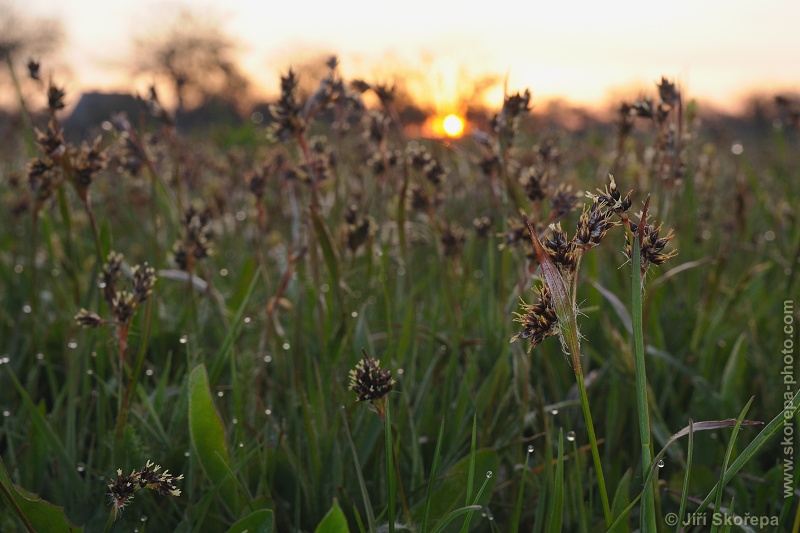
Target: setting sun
{"points": [[453, 125]]}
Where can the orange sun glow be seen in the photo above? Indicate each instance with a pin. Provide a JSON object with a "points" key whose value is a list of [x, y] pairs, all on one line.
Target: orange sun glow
{"points": [[453, 125]]}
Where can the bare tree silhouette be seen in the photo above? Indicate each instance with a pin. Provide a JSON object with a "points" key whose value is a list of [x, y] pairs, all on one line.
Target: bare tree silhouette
{"points": [[195, 57]]}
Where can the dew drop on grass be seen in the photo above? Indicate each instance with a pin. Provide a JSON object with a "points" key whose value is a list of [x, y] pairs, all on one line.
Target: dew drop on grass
{"points": [[286, 346], [530, 448], [354, 314], [267, 358], [55, 272], [220, 394], [18, 269], [223, 272], [235, 421], [661, 463], [571, 436], [143, 518], [6, 413], [81, 468], [40, 356], [27, 309], [554, 412], [149, 372], [247, 320], [184, 339], [186, 454], [489, 474], [241, 445], [72, 344], [241, 216], [268, 412]]}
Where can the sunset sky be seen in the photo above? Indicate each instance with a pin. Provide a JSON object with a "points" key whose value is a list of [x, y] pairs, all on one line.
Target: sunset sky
{"points": [[583, 51]]}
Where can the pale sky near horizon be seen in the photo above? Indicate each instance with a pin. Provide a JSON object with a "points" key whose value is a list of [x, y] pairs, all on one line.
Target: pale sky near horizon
{"points": [[583, 51]]}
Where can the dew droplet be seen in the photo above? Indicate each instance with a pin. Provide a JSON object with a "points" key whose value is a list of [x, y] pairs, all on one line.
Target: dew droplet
{"points": [[40, 356], [267, 358], [220, 394], [18, 269], [81, 468], [401, 271], [241, 445], [268, 412], [149, 372], [241, 216], [143, 518], [72, 344], [661, 463], [530, 448], [554, 412], [286, 346], [489, 474], [223, 272], [55, 273], [184, 339], [27, 309], [571, 436], [354, 314], [186, 454], [247, 320], [235, 421], [6, 413]]}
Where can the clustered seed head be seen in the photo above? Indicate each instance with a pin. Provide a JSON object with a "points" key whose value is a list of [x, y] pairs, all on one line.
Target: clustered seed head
{"points": [[34, 70], [420, 158], [561, 250], [369, 382], [122, 489], [611, 198], [123, 306], [88, 319], [196, 241], [482, 225], [376, 126], [143, 278], [87, 162], [123, 303], [51, 141], [44, 178], [652, 246], [452, 239], [287, 113], [112, 272], [538, 320], [593, 225], [562, 202], [506, 123], [533, 184], [55, 98], [358, 229]]}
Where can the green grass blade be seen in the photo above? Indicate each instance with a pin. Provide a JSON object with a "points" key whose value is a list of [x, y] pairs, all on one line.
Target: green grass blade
{"points": [[390, 481], [362, 485], [518, 509], [556, 511], [685, 491], [261, 521], [432, 479]]}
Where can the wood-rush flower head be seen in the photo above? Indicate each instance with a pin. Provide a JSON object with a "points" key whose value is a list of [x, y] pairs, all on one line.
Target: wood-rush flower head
{"points": [[538, 320], [369, 382], [561, 302], [122, 489]]}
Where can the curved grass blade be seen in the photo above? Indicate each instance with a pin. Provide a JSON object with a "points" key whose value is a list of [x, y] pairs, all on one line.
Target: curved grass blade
{"points": [[208, 438]]}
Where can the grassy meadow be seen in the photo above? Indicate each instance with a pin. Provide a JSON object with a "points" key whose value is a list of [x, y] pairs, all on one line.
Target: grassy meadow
{"points": [[203, 301]]}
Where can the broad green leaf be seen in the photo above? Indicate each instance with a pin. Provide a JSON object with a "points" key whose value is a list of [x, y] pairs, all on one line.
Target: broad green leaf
{"points": [[40, 514], [208, 437], [334, 521], [261, 521]]}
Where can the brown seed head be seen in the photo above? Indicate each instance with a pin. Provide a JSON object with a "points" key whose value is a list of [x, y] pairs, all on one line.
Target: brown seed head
{"points": [[369, 382]]}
